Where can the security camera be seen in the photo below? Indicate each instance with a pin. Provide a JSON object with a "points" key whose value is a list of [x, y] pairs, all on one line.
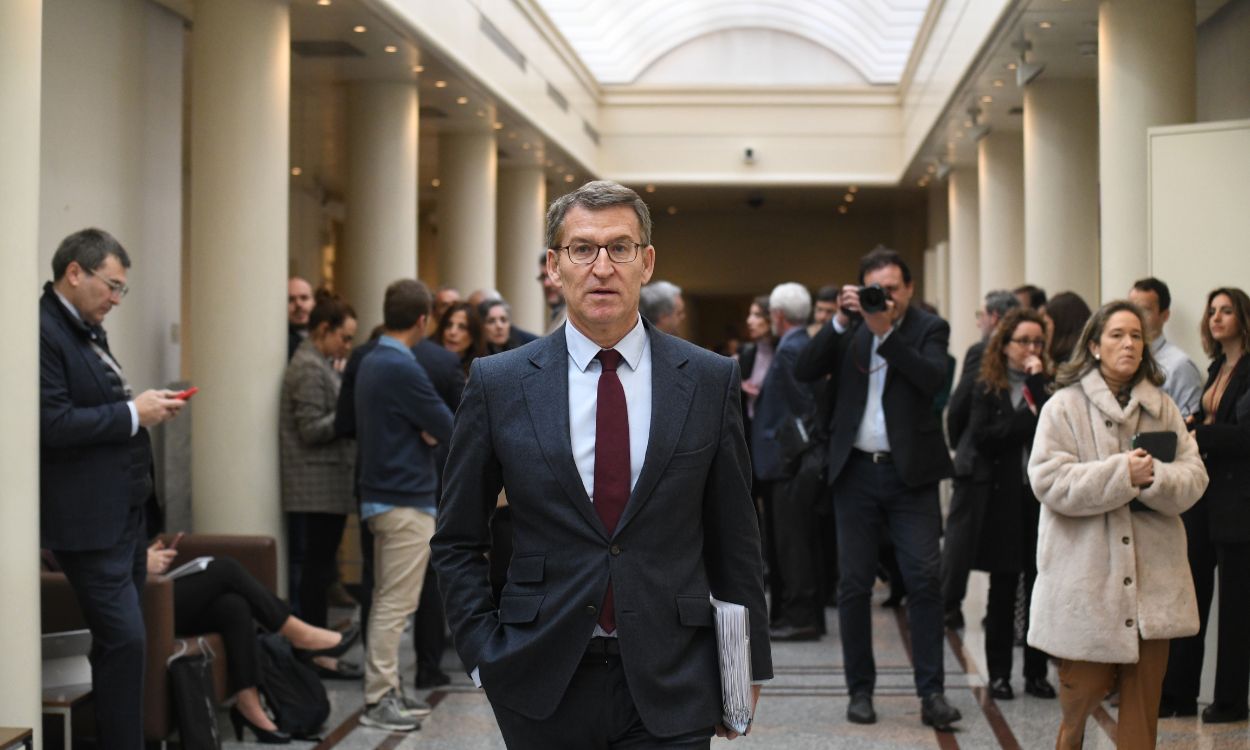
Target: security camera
{"points": [[748, 156]]}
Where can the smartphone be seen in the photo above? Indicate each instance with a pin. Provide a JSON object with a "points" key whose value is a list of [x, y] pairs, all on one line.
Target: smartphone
{"points": [[177, 538], [188, 393]]}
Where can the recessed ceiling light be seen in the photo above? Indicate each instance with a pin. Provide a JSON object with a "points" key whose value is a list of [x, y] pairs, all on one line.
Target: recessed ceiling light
{"points": [[1011, 66], [462, 100], [323, 2], [568, 178], [499, 126], [650, 188], [526, 146], [390, 49], [359, 29], [852, 189], [418, 68], [922, 182], [843, 208], [440, 84], [296, 171], [998, 83], [435, 182], [1044, 24], [849, 198], [987, 99], [672, 210]]}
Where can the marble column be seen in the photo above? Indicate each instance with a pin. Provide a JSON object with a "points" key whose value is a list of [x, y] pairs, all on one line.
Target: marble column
{"points": [[1061, 186], [21, 60], [1146, 77], [1000, 175], [522, 210], [467, 166], [964, 274], [240, 93], [380, 242]]}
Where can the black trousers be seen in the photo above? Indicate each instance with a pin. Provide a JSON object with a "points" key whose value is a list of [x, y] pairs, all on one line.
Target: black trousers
{"points": [[1232, 661], [1000, 626], [224, 598], [596, 713], [795, 532], [959, 547], [318, 565], [429, 623], [108, 584]]}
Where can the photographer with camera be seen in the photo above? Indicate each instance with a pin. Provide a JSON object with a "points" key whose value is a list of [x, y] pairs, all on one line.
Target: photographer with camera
{"points": [[886, 456]]}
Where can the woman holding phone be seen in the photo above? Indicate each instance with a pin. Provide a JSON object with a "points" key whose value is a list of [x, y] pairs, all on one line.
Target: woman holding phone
{"points": [[1218, 526], [1113, 583]]}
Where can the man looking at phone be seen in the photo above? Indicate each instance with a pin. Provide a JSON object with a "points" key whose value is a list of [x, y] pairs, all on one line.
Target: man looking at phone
{"points": [[95, 466], [886, 456]]}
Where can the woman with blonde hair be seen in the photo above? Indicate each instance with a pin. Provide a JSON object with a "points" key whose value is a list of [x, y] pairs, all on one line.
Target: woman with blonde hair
{"points": [[1113, 583]]}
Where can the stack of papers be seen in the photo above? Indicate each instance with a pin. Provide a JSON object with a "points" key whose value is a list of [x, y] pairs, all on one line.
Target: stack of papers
{"points": [[195, 566], [733, 639]]}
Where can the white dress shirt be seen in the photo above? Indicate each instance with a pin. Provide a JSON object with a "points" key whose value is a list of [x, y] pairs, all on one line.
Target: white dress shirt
{"points": [[635, 376], [871, 436], [1183, 381]]}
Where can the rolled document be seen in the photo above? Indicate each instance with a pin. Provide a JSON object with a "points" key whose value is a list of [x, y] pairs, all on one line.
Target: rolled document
{"points": [[733, 640]]}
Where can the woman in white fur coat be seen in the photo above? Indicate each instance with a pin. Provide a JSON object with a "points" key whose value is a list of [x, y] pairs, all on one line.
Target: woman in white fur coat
{"points": [[1113, 582]]}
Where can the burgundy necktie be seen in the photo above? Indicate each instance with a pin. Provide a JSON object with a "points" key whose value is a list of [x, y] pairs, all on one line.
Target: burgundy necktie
{"points": [[611, 490]]}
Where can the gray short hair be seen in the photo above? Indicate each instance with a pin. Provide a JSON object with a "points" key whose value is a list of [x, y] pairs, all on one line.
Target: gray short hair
{"points": [[999, 301], [793, 301], [593, 196], [659, 298]]}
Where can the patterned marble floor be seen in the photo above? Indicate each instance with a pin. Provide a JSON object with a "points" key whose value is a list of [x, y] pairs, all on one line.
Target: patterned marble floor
{"points": [[803, 707]]}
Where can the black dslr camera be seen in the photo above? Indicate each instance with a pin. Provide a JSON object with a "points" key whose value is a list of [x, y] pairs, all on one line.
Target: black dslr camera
{"points": [[872, 298]]}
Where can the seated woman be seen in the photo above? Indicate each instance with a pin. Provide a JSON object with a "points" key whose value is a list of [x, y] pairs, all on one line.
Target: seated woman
{"points": [[1113, 583], [1012, 386], [224, 598]]}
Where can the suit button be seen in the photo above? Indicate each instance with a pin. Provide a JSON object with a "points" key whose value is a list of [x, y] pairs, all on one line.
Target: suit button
{"points": [[1128, 623], [1125, 540], [591, 610], [1108, 422], [1128, 581], [615, 550]]}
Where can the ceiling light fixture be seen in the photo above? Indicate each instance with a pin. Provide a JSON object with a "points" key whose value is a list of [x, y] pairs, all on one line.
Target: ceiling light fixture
{"points": [[987, 99], [418, 68], [849, 198], [843, 208], [1027, 71], [1011, 66], [650, 188], [998, 83], [323, 2], [435, 182], [390, 49], [462, 100], [853, 189], [568, 178], [296, 171], [499, 126], [359, 29], [672, 210], [1045, 25], [440, 84]]}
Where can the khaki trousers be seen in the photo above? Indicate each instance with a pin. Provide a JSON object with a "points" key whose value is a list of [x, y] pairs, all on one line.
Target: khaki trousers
{"points": [[1083, 685], [401, 551]]}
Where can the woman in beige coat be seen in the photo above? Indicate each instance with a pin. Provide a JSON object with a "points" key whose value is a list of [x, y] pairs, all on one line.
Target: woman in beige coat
{"points": [[1113, 582]]}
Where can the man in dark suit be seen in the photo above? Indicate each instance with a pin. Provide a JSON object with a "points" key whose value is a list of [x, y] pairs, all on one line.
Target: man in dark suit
{"points": [[621, 452], [429, 624], [96, 471], [886, 456], [792, 494], [963, 523]]}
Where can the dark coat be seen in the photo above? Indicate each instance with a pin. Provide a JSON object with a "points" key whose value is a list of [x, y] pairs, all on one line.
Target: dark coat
{"points": [[782, 399], [1003, 436], [688, 530], [1225, 449], [960, 411], [85, 445], [442, 367], [916, 355]]}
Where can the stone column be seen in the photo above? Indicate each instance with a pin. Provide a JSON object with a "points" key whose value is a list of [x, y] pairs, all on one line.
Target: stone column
{"points": [[466, 210], [380, 243], [240, 102], [1061, 186], [522, 210], [21, 60], [1145, 78], [1000, 174], [964, 276]]}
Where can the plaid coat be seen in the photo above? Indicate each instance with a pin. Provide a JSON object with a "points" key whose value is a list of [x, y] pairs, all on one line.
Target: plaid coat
{"points": [[317, 467]]}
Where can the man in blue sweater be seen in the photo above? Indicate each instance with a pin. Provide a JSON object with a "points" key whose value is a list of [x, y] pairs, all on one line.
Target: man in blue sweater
{"points": [[400, 418]]}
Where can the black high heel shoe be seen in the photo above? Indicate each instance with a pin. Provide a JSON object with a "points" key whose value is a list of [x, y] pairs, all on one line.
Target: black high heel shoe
{"points": [[348, 638], [264, 736]]}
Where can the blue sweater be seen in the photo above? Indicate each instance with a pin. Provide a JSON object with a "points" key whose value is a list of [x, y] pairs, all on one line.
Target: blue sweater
{"points": [[395, 402]]}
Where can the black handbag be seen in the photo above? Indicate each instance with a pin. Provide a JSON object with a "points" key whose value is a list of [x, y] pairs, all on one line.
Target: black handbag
{"points": [[191, 685]]}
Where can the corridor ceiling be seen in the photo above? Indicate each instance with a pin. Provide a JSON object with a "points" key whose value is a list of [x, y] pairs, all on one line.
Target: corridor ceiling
{"points": [[618, 41]]}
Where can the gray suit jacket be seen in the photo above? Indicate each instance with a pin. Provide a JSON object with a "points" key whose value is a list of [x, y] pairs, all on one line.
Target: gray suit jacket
{"points": [[689, 530], [317, 466]]}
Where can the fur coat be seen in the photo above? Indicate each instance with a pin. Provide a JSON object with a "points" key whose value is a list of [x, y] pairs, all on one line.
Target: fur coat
{"points": [[1108, 574]]}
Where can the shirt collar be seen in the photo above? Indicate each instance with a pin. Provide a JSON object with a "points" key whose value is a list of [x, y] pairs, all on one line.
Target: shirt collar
{"points": [[68, 305], [393, 343], [582, 350], [1158, 343]]}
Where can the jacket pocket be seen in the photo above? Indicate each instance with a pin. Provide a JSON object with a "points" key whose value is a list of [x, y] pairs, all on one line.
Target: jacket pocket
{"points": [[691, 459], [526, 569], [518, 609], [694, 611]]}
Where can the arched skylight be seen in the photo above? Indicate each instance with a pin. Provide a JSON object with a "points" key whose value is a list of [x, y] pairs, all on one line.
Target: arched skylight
{"points": [[618, 40]]}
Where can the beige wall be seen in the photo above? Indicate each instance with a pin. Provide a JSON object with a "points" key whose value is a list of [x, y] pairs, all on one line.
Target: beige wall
{"points": [[1223, 51]]}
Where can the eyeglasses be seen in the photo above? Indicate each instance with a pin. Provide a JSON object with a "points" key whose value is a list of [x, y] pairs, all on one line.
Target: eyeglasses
{"points": [[115, 287], [1039, 343], [585, 253]]}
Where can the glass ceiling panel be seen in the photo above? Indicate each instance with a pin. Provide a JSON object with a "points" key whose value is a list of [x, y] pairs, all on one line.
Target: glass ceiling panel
{"points": [[618, 40]]}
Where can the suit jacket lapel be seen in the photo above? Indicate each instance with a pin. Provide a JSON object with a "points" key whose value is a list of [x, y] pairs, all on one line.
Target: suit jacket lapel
{"points": [[904, 330], [547, 398], [671, 394]]}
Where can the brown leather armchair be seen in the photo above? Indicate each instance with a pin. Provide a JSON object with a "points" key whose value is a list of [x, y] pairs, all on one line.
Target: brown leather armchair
{"points": [[59, 612]]}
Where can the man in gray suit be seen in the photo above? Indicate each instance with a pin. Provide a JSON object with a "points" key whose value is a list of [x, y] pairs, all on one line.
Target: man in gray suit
{"points": [[621, 452]]}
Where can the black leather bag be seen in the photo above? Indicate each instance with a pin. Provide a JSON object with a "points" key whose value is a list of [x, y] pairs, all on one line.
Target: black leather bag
{"points": [[191, 685]]}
